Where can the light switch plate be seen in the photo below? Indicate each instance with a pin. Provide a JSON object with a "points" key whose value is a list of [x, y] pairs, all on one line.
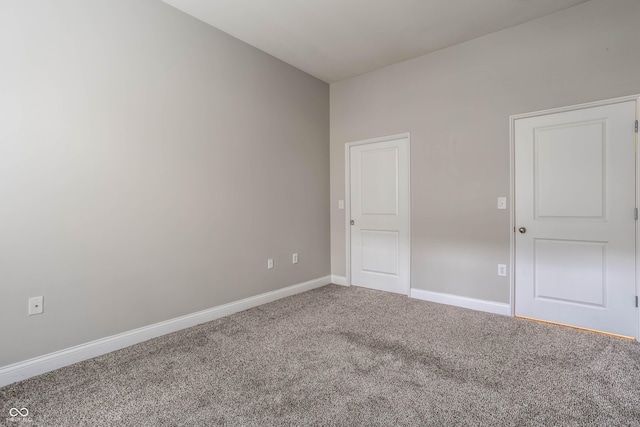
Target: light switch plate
{"points": [[502, 203], [340, 204]]}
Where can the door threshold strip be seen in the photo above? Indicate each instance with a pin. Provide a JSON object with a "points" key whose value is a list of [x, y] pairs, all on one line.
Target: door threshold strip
{"points": [[576, 327]]}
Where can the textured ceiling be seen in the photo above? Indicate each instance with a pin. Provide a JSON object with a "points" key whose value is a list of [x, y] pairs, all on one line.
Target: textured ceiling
{"points": [[337, 39]]}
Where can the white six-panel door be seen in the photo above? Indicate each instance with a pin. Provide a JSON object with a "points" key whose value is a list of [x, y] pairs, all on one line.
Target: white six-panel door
{"points": [[574, 216], [379, 211]]}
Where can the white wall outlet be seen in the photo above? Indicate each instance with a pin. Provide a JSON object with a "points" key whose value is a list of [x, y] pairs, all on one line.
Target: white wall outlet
{"points": [[270, 263], [502, 203], [340, 204], [36, 305], [502, 270], [295, 258]]}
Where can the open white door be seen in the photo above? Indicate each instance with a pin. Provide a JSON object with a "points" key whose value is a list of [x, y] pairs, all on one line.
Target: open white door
{"points": [[379, 214], [574, 214]]}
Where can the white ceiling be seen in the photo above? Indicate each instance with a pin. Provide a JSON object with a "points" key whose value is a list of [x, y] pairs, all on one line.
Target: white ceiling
{"points": [[337, 39]]}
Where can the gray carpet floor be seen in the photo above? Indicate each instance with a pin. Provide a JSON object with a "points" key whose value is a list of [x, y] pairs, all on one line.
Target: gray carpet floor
{"points": [[347, 357]]}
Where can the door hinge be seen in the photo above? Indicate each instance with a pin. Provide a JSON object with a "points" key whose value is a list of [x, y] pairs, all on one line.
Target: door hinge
{"points": [[636, 300], [635, 215], [636, 126]]}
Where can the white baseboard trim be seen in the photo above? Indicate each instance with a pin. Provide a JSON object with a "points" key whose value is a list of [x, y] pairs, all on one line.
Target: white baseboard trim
{"points": [[464, 302], [339, 280], [49, 362]]}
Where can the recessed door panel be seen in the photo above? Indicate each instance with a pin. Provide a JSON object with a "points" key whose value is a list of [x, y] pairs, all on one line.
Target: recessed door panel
{"points": [[570, 271], [380, 251], [570, 170], [379, 182]]}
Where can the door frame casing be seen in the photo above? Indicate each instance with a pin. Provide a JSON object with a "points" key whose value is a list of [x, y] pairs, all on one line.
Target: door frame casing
{"points": [[512, 195], [347, 196]]}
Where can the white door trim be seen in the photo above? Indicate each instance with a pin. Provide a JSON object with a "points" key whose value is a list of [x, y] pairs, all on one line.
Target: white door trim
{"points": [[347, 192], [512, 120]]}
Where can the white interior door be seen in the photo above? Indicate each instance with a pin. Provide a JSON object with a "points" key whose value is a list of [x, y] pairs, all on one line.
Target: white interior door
{"points": [[379, 211], [574, 215]]}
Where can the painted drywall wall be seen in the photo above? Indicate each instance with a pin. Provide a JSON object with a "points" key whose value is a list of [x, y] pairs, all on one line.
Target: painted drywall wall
{"points": [[149, 166], [456, 103]]}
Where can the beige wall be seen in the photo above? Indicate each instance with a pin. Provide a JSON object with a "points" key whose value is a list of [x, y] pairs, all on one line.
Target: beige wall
{"points": [[149, 166], [456, 103]]}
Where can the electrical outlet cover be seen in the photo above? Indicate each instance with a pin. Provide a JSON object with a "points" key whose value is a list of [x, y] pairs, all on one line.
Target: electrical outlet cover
{"points": [[502, 270]]}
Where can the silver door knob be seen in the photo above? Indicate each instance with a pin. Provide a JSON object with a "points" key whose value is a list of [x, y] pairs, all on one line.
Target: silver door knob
{"points": [[522, 230]]}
